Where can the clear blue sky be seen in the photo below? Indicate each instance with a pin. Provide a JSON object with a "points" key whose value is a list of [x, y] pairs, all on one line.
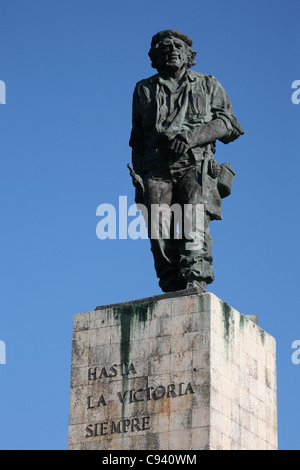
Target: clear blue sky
{"points": [[70, 68]]}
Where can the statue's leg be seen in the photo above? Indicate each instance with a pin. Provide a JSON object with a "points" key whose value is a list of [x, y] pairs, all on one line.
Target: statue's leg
{"points": [[195, 263], [158, 194]]}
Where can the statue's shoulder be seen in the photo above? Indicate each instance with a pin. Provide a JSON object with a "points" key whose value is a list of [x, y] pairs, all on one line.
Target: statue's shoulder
{"points": [[202, 81], [196, 75], [145, 89], [147, 82], [202, 77]]}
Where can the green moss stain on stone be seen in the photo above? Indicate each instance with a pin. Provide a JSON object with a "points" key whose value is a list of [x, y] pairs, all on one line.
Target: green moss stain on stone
{"points": [[262, 335], [201, 303], [204, 309], [135, 314], [143, 312], [124, 313], [242, 322], [226, 311], [204, 303], [228, 321], [130, 315]]}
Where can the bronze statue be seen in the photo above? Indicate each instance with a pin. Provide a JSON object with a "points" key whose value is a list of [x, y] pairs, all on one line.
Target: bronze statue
{"points": [[178, 114]]}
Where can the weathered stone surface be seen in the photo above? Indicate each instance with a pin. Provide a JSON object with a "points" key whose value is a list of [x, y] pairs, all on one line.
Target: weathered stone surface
{"points": [[172, 373]]}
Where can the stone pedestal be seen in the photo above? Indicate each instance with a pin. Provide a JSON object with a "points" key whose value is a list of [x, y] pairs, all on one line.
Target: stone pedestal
{"points": [[172, 373]]}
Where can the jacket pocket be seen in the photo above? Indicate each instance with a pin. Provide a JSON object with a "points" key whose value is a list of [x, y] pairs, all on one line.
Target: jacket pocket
{"points": [[197, 107]]}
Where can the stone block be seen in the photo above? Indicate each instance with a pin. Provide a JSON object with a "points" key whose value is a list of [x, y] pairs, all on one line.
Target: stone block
{"points": [[172, 372]]}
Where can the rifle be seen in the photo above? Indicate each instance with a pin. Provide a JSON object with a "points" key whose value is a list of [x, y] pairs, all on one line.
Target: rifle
{"points": [[137, 180]]}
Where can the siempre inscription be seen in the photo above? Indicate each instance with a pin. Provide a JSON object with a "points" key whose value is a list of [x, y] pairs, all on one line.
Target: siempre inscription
{"points": [[123, 426]]}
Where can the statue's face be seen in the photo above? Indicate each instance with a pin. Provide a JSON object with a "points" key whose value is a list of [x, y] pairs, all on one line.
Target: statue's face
{"points": [[171, 54]]}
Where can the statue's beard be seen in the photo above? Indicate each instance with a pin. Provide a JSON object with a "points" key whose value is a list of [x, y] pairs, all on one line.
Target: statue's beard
{"points": [[170, 67]]}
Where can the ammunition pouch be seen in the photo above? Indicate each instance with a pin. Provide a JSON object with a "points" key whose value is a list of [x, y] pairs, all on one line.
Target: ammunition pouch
{"points": [[225, 180]]}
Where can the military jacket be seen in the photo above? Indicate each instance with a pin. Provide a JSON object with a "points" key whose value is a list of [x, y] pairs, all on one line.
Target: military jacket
{"points": [[159, 115]]}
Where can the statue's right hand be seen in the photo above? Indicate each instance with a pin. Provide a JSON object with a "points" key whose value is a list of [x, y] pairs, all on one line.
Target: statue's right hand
{"points": [[179, 147]]}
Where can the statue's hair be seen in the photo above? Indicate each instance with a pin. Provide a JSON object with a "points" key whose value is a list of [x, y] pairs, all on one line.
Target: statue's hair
{"points": [[191, 54]]}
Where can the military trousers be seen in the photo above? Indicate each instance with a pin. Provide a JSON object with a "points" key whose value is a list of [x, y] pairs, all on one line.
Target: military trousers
{"points": [[183, 255]]}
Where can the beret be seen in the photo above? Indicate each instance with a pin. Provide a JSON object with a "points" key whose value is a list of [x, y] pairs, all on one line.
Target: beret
{"points": [[169, 33]]}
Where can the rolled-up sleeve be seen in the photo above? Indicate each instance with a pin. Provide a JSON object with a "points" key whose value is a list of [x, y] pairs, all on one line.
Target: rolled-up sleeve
{"points": [[221, 108]]}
